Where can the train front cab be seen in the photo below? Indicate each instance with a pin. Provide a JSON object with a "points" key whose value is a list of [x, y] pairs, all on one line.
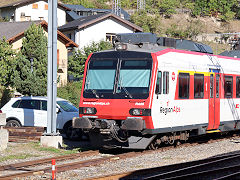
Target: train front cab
{"points": [[115, 103]]}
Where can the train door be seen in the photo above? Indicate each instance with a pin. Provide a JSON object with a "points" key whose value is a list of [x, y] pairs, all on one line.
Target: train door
{"points": [[214, 99]]}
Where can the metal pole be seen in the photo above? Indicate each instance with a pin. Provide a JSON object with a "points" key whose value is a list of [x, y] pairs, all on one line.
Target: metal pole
{"points": [[52, 66], [31, 61]]}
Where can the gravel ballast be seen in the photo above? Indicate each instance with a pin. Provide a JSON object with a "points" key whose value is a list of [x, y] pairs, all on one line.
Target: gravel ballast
{"points": [[154, 159], [149, 160]]}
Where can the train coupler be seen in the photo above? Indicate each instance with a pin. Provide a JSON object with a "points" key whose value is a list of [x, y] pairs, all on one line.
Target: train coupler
{"points": [[133, 124], [83, 123]]}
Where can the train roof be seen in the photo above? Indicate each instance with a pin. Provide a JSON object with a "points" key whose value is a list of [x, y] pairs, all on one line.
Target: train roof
{"points": [[233, 53], [149, 42]]}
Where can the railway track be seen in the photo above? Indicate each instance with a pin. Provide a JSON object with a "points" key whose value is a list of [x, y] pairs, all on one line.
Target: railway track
{"points": [[225, 166], [29, 168], [22, 169]]}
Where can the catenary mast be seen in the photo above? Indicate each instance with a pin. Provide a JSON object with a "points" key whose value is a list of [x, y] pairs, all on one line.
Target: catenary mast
{"points": [[116, 7]]}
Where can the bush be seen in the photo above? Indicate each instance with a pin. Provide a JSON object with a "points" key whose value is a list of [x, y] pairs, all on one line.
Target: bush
{"points": [[71, 92], [76, 62], [149, 23], [190, 32]]}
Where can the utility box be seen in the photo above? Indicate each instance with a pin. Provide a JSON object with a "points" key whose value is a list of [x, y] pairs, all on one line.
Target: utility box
{"points": [[3, 132]]}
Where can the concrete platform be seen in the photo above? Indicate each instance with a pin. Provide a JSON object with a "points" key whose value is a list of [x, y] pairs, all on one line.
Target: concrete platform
{"points": [[51, 141], [3, 139]]}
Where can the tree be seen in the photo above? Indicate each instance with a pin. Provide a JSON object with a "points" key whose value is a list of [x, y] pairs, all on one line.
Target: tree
{"points": [[7, 63], [224, 9], [77, 61], [31, 66], [149, 23], [167, 7]]}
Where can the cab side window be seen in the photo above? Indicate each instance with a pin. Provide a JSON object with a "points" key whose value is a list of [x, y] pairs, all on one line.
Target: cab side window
{"points": [[165, 82], [158, 89]]}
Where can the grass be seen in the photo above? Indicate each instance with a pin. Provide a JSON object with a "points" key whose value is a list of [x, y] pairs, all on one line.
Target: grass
{"points": [[17, 156], [18, 151], [63, 151]]}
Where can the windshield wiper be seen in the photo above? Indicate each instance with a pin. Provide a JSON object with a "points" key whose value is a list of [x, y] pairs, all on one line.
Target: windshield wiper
{"points": [[124, 89], [92, 90], [95, 93]]}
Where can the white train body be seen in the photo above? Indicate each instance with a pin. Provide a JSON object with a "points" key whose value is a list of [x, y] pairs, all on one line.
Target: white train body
{"points": [[178, 113]]}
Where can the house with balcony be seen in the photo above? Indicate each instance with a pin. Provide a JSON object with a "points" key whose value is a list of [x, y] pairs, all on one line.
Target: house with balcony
{"points": [[85, 30], [78, 11], [30, 10], [13, 32]]}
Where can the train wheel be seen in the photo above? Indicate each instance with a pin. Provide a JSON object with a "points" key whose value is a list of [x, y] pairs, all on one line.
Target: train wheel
{"points": [[153, 146]]}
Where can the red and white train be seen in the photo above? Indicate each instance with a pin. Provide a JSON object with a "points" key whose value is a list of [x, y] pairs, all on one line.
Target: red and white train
{"points": [[142, 94]]}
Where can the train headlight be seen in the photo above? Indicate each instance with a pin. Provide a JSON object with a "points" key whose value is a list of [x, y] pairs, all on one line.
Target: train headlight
{"points": [[140, 112], [121, 46], [137, 112], [87, 110]]}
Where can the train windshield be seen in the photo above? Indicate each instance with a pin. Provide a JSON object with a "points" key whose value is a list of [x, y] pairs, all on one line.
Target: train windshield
{"points": [[118, 79]]}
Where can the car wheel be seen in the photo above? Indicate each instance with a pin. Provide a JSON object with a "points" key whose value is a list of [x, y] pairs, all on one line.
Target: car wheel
{"points": [[72, 133], [13, 123]]}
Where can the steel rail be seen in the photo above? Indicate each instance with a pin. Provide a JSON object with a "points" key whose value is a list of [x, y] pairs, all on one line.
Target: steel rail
{"points": [[194, 167], [152, 172], [60, 168], [69, 166], [207, 174], [46, 160]]}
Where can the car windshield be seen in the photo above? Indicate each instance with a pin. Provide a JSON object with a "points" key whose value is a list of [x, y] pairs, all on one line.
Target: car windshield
{"points": [[67, 106]]}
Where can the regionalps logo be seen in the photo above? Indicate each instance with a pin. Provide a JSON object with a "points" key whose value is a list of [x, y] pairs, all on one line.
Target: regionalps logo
{"points": [[169, 110]]}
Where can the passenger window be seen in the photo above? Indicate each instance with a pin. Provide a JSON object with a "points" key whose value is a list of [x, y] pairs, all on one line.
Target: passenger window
{"points": [[30, 104], [159, 83], [211, 85], [44, 105], [165, 82], [217, 85], [198, 86], [238, 87], [183, 90], [228, 86], [16, 104]]}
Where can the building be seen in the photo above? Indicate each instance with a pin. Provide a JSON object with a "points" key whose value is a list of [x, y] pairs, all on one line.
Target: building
{"points": [[30, 10], [78, 11], [95, 28], [13, 32]]}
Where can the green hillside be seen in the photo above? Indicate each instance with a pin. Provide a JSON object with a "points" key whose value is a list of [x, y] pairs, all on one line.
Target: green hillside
{"points": [[223, 9]]}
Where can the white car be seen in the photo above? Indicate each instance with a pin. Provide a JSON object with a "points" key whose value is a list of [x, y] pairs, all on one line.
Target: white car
{"points": [[32, 111]]}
